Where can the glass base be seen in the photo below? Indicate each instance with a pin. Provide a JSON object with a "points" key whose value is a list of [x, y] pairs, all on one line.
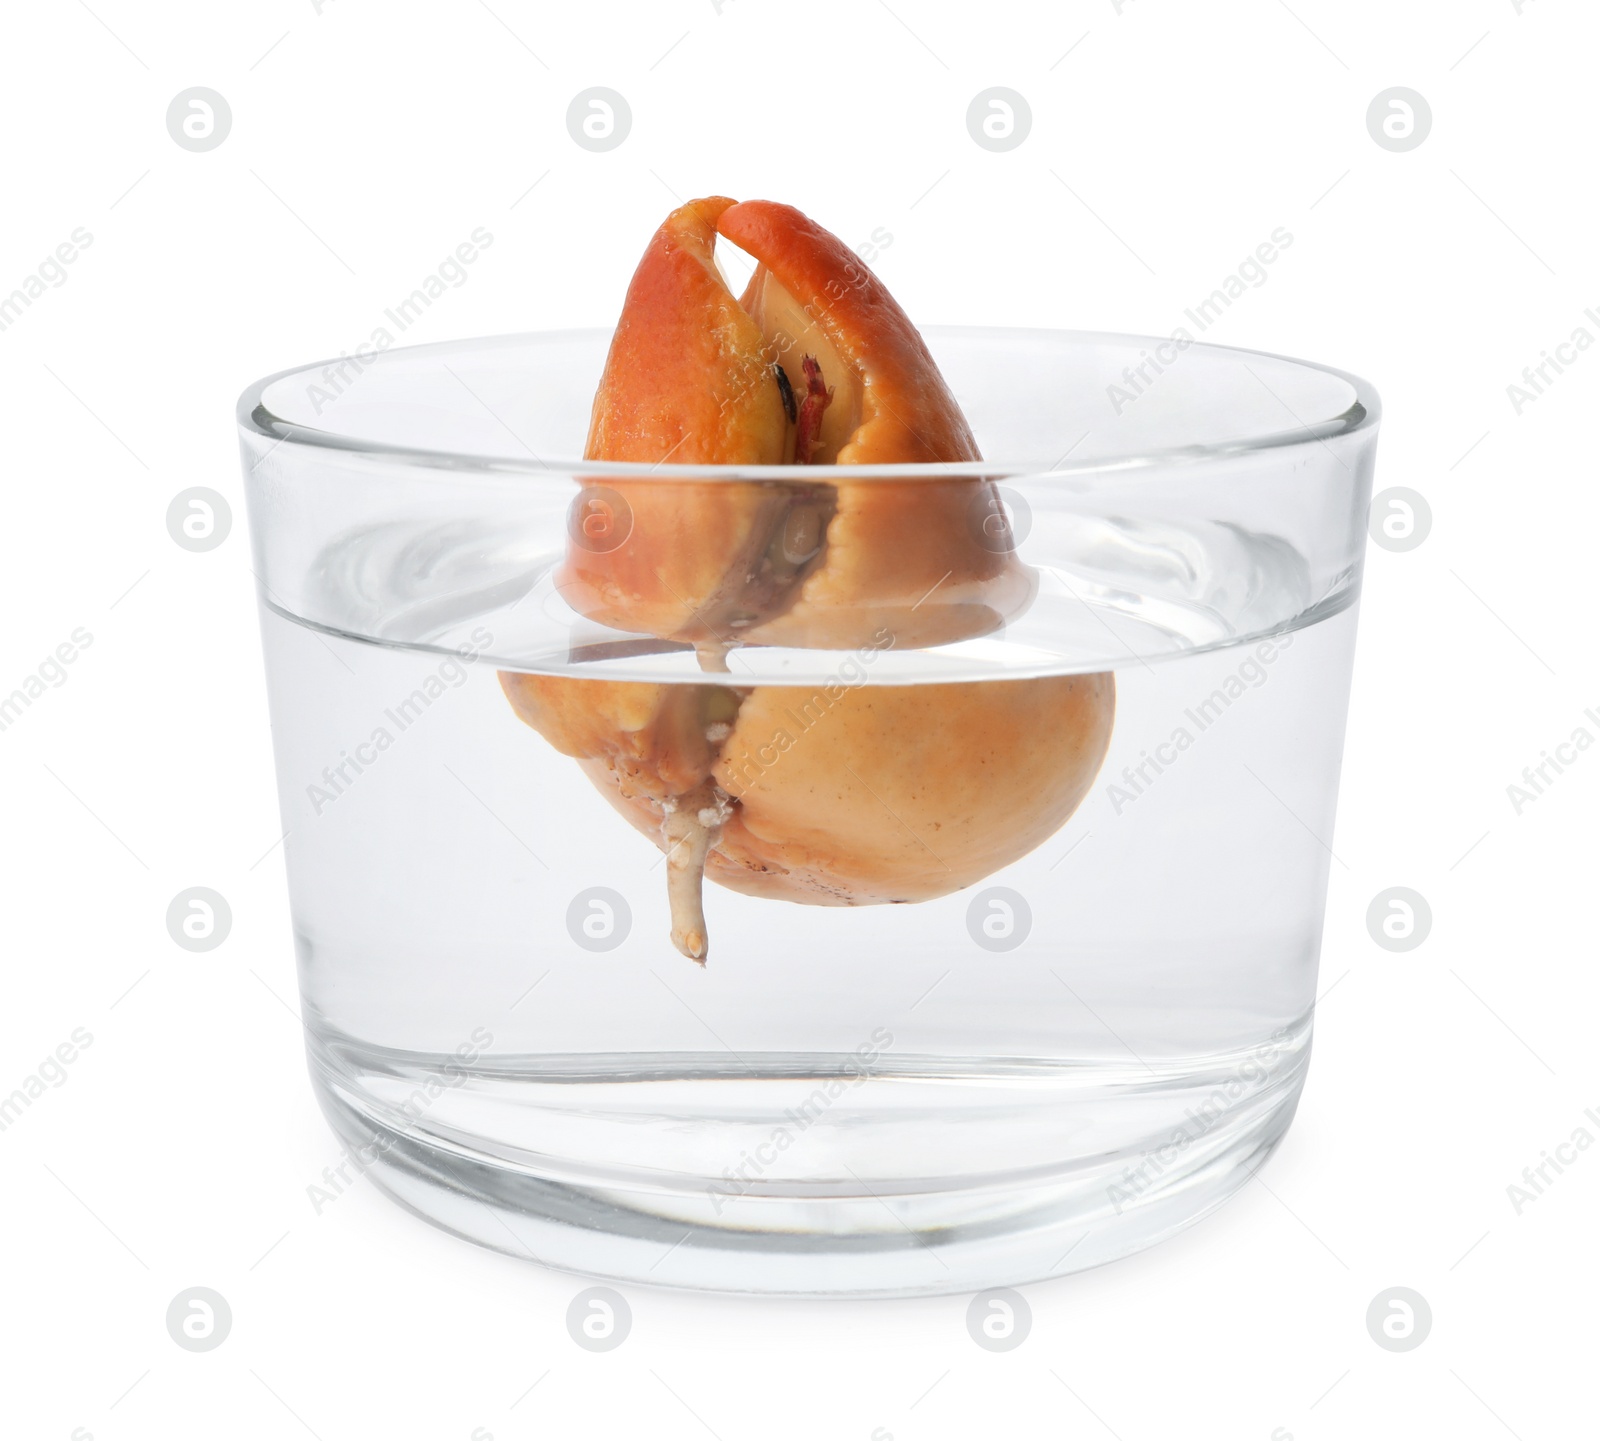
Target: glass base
{"points": [[844, 1225]]}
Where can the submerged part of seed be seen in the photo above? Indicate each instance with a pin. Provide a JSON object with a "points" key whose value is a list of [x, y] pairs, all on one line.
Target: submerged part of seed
{"points": [[803, 530], [651, 749], [764, 583], [689, 828]]}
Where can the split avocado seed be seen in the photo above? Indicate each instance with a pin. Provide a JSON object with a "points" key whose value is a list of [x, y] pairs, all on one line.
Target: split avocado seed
{"points": [[844, 792]]}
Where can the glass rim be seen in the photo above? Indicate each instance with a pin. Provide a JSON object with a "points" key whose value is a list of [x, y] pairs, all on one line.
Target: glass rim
{"points": [[1361, 415]]}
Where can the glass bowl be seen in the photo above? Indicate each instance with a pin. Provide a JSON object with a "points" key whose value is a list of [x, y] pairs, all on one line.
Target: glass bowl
{"points": [[1081, 1034]]}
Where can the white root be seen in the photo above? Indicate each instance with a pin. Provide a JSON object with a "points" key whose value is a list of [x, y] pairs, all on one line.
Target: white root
{"points": [[690, 827]]}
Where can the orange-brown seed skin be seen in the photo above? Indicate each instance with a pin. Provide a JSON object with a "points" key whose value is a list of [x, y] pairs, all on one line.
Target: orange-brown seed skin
{"points": [[840, 794]]}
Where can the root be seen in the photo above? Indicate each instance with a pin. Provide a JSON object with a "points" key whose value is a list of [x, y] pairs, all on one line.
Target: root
{"points": [[690, 828], [713, 656]]}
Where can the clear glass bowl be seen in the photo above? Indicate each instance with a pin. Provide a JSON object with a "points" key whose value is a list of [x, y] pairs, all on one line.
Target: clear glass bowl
{"points": [[1067, 1058]]}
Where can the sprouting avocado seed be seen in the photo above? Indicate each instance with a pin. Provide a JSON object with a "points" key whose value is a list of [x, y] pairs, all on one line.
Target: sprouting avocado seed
{"points": [[843, 793]]}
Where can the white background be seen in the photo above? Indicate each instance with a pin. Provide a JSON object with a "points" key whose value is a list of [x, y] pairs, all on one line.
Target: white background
{"points": [[1167, 142]]}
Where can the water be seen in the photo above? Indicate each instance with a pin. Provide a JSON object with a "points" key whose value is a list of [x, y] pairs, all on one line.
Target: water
{"points": [[1068, 1059]]}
